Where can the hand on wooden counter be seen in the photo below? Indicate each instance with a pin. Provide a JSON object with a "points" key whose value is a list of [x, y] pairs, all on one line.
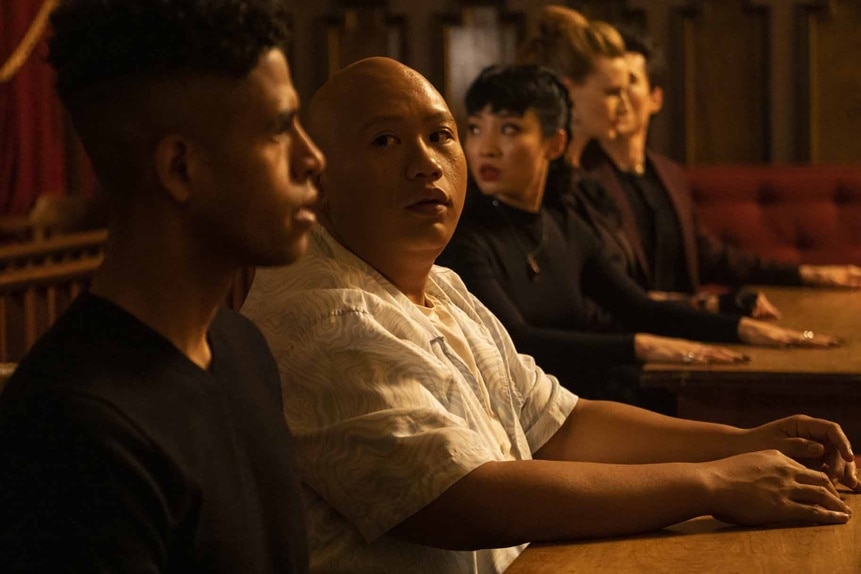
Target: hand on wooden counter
{"points": [[763, 334], [831, 275], [767, 487], [819, 444], [657, 349], [763, 309]]}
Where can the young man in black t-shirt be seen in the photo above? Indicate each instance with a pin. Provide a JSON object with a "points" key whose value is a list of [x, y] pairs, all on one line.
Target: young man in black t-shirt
{"points": [[144, 431]]}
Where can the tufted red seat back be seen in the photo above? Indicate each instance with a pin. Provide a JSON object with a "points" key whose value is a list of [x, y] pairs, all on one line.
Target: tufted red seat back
{"points": [[800, 214]]}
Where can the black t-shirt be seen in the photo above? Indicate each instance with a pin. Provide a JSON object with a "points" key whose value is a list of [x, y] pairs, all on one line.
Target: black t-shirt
{"points": [[118, 454]]}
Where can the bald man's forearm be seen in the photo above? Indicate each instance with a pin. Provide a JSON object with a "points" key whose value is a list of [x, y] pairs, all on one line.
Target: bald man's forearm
{"points": [[508, 503], [610, 432]]}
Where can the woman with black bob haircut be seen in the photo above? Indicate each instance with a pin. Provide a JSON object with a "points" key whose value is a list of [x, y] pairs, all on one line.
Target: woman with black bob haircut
{"points": [[538, 264]]}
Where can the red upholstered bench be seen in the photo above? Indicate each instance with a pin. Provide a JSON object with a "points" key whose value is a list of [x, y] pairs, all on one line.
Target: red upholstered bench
{"points": [[799, 214]]}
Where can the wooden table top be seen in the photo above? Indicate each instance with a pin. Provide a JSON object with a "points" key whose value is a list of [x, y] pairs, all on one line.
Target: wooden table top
{"points": [[707, 546], [832, 311]]}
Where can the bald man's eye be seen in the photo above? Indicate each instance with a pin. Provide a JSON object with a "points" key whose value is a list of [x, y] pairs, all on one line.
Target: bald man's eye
{"points": [[441, 136], [385, 140]]}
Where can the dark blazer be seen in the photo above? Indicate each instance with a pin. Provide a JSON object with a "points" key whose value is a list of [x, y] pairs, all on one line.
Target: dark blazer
{"points": [[599, 211], [709, 260]]}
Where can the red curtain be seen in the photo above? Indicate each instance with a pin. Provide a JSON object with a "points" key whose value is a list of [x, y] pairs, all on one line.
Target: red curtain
{"points": [[32, 134]]}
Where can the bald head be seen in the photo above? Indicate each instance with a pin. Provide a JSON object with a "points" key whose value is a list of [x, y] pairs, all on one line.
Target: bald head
{"points": [[395, 178], [351, 94]]}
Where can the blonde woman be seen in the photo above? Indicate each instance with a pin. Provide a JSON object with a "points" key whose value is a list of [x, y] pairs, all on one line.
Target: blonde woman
{"points": [[590, 59]]}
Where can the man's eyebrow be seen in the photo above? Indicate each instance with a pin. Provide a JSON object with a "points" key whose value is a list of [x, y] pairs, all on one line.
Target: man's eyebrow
{"points": [[433, 117]]}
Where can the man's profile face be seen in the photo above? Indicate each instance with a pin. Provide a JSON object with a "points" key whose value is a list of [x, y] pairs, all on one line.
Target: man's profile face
{"points": [[259, 166], [644, 102], [397, 174]]}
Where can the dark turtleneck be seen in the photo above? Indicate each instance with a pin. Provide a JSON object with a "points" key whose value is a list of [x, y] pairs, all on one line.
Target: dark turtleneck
{"points": [[548, 315]]}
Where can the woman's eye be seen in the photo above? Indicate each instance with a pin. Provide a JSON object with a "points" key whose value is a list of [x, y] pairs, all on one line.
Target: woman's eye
{"points": [[385, 140], [473, 130], [510, 129]]}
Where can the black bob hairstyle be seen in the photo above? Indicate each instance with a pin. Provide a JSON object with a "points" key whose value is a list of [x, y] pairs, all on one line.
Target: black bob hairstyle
{"points": [[516, 88]]}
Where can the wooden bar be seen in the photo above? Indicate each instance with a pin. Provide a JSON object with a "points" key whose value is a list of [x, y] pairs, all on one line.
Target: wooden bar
{"points": [[62, 247], [780, 381], [12, 281], [707, 546]]}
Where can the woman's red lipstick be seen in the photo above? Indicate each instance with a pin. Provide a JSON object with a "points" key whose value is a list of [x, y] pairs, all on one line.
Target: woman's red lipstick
{"points": [[488, 173]]}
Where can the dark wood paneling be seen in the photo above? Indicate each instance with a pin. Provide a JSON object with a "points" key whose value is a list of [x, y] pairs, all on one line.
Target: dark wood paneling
{"points": [[361, 32], [477, 36], [724, 101], [724, 81], [830, 81], [616, 11]]}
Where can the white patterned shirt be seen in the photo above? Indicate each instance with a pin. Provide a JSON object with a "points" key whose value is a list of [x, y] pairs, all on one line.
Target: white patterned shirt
{"points": [[384, 412]]}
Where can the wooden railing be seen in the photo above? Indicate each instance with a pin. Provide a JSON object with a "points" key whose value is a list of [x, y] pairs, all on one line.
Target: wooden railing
{"points": [[32, 297], [61, 248], [39, 279]]}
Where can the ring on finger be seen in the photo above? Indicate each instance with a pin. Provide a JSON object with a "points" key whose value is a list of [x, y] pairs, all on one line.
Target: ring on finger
{"points": [[689, 357], [807, 335]]}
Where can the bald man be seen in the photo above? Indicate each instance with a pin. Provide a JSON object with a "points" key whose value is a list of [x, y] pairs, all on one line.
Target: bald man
{"points": [[417, 422]]}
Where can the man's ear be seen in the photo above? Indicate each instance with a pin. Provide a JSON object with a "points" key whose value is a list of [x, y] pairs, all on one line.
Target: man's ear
{"points": [[556, 144], [172, 158], [656, 97]]}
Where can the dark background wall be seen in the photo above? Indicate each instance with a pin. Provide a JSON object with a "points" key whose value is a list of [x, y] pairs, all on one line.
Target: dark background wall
{"points": [[750, 80], [764, 81]]}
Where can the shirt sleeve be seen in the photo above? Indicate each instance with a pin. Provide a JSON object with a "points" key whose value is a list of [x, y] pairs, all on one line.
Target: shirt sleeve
{"points": [[544, 403], [608, 285], [371, 437]]}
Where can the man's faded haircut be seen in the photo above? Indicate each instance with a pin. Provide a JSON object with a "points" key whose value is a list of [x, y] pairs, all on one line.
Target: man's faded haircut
{"points": [[113, 56], [98, 41]]}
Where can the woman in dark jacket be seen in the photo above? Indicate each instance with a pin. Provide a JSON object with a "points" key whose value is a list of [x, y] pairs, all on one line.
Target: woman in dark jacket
{"points": [[536, 264]]}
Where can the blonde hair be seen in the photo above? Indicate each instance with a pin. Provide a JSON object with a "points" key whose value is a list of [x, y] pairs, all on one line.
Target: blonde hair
{"points": [[568, 43]]}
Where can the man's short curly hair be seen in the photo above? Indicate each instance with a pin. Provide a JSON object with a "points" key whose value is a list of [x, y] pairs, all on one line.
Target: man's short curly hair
{"points": [[98, 40]]}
